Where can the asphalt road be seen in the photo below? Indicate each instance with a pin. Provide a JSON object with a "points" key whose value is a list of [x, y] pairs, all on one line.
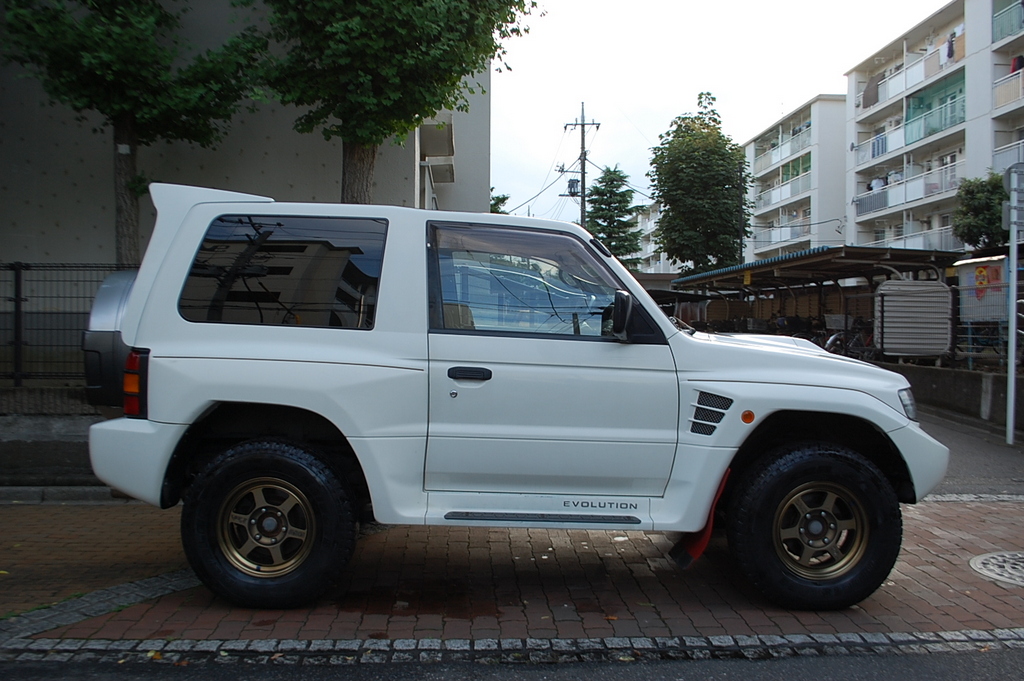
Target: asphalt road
{"points": [[980, 461]]}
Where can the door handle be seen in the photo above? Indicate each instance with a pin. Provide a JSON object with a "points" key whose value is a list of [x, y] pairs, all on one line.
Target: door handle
{"points": [[470, 373]]}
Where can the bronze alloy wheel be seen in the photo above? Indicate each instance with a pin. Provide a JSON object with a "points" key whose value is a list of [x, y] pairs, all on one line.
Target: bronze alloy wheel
{"points": [[266, 527], [820, 530]]}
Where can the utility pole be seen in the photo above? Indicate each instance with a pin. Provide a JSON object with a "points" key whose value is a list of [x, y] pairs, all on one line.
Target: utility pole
{"points": [[582, 124]]}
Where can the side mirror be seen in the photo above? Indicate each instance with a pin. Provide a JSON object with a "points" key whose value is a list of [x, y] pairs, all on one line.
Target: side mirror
{"points": [[621, 313]]}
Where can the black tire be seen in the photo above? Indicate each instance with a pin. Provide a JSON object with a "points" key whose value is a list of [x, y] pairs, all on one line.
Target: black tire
{"points": [[267, 525], [815, 527]]}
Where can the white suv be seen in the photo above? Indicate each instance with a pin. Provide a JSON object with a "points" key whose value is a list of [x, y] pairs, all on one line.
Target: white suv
{"points": [[290, 369]]}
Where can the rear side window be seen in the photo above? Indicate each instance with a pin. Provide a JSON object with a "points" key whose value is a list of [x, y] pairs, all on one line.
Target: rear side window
{"points": [[293, 271]]}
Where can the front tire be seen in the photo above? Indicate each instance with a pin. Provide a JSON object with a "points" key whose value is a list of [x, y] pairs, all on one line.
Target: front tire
{"points": [[267, 525], [815, 527]]}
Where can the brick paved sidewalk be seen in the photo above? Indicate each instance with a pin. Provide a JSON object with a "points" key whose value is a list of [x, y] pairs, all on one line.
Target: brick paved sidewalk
{"points": [[473, 584]]}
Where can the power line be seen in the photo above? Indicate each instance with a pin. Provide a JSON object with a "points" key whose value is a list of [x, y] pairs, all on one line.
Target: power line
{"points": [[535, 195]]}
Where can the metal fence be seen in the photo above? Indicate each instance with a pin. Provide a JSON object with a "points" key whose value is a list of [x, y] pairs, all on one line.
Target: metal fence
{"points": [[43, 310], [982, 324]]}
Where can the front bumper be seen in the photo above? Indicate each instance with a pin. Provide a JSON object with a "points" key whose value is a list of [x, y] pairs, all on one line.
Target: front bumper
{"points": [[926, 457]]}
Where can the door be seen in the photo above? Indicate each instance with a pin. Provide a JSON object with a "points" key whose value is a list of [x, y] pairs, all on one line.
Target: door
{"points": [[529, 391]]}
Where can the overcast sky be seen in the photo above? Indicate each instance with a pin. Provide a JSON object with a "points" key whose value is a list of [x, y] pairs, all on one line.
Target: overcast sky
{"points": [[637, 64]]}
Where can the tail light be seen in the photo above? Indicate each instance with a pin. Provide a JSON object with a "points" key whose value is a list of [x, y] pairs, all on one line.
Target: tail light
{"points": [[136, 366]]}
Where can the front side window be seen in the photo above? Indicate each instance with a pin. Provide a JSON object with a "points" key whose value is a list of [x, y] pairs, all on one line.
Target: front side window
{"points": [[286, 270], [518, 281]]}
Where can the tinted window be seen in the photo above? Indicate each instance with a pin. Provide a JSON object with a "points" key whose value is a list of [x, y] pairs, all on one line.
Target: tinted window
{"points": [[297, 271], [519, 281]]}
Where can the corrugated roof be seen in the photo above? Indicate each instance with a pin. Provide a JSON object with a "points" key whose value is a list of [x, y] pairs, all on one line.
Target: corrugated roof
{"points": [[749, 265], [818, 265]]}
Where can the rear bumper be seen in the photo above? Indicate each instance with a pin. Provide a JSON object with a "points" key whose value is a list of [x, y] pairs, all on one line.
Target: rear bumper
{"points": [[131, 455]]}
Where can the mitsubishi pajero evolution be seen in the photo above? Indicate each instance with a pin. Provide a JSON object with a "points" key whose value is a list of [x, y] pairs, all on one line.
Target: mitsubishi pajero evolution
{"points": [[289, 369]]}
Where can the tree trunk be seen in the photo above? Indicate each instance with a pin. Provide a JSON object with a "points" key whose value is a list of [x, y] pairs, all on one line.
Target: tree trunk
{"points": [[357, 172], [126, 214]]}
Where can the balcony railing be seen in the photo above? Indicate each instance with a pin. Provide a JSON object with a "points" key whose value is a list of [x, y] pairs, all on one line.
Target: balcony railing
{"points": [[944, 179], [916, 69], [782, 192], [941, 239], [1009, 21], [887, 88], [1004, 157], [771, 236], [880, 145], [787, 148], [935, 121], [1008, 89]]}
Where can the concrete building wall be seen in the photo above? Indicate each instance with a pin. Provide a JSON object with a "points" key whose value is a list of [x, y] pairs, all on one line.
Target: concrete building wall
{"points": [[56, 179]]}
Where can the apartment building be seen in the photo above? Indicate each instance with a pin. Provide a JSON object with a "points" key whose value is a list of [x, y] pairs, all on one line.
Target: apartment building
{"points": [[652, 260], [56, 181], [798, 191], [942, 102]]}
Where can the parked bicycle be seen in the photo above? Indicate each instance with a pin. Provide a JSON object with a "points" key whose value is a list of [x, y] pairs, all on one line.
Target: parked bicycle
{"points": [[858, 342]]}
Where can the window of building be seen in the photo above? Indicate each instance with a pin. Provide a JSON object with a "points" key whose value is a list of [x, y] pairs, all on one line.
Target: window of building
{"points": [[280, 270]]}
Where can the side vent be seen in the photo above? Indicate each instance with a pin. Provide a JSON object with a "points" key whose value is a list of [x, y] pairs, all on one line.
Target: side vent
{"points": [[708, 413]]}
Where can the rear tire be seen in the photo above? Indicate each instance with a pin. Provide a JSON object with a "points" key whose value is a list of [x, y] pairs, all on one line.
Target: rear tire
{"points": [[267, 525], [816, 527]]}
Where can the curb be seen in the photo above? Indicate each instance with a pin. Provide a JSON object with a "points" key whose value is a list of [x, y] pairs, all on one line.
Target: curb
{"points": [[321, 652]]}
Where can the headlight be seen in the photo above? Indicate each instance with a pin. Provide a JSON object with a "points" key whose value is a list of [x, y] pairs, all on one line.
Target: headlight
{"points": [[909, 406]]}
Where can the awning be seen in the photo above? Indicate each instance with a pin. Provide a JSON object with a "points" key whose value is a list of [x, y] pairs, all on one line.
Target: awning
{"points": [[817, 266]]}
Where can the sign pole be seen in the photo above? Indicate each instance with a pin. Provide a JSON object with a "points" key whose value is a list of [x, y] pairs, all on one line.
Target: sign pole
{"points": [[1013, 182]]}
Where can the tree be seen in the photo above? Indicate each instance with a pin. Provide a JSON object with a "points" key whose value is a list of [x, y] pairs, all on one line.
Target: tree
{"points": [[370, 69], [123, 60], [498, 202], [978, 217], [610, 205], [700, 177]]}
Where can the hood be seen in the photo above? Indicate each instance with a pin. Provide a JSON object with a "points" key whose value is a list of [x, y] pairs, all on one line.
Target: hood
{"points": [[754, 358]]}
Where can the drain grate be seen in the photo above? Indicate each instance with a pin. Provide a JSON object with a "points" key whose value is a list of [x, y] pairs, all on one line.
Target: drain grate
{"points": [[1005, 566]]}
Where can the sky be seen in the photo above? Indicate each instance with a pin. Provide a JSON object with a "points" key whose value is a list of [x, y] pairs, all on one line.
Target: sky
{"points": [[638, 64]]}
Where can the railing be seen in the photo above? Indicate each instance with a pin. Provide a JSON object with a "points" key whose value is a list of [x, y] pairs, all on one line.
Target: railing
{"points": [[887, 89], [1009, 21], [770, 236], [1004, 157], [782, 192], [935, 121], [1008, 89], [941, 239], [43, 311], [944, 179], [787, 147], [880, 145]]}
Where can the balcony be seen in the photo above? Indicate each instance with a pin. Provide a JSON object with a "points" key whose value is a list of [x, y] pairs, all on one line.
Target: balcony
{"points": [[1008, 89], [880, 145], [917, 69], [783, 192], [787, 147], [941, 239], [935, 121], [887, 88], [944, 179], [773, 236], [1004, 157], [1009, 21]]}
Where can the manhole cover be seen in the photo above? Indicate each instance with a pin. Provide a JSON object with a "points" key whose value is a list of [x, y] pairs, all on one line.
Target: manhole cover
{"points": [[1006, 566]]}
